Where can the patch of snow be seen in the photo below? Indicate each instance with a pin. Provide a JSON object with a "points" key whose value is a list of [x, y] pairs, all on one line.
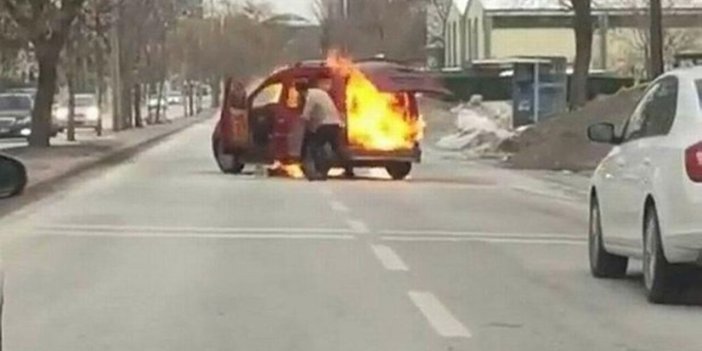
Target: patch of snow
{"points": [[480, 128]]}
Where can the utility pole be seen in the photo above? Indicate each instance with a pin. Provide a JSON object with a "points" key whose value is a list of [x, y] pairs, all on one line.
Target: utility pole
{"points": [[656, 64]]}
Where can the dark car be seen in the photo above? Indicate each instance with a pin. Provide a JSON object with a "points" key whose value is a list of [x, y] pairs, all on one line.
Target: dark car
{"points": [[16, 115], [265, 126]]}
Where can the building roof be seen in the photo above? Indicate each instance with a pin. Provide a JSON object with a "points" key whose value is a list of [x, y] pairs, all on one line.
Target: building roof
{"points": [[462, 5], [536, 5]]}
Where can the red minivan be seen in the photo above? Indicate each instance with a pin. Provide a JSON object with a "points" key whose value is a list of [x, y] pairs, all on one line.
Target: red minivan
{"points": [[265, 126]]}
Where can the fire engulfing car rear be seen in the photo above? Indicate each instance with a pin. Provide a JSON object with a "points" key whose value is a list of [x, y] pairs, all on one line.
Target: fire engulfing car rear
{"points": [[375, 97]]}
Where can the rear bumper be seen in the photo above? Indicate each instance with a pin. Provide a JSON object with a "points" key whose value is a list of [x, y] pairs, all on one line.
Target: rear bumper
{"points": [[379, 158], [683, 247]]}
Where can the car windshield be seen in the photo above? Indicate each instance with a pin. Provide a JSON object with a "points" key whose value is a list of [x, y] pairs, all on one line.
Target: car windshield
{"points": [[15, 102], [85, 101], [352, 175]]}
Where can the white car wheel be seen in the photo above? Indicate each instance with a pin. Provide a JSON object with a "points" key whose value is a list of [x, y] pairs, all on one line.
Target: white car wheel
{"points": [[602, 263], [659, 275]]}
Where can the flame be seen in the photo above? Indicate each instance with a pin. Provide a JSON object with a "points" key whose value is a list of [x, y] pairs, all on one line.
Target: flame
{"points": [[291, 170], [375, 120]]}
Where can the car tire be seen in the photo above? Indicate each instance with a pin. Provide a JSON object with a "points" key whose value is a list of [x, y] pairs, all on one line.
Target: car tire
{"points": [[602, 263], [227, 163], [398, 170], [660, 276]]}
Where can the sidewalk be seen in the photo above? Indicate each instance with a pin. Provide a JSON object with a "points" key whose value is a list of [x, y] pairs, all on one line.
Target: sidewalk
{"points": [[65, 159]]}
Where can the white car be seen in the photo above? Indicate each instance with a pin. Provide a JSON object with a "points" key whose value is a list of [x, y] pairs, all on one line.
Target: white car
{"points": [[646, 195], [175, 98], [87, 113]]}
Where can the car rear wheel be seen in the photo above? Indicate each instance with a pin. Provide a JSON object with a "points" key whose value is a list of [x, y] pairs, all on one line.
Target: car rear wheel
{"points": [[660, 276], [398, 170], [602, 263], [228, 163]]}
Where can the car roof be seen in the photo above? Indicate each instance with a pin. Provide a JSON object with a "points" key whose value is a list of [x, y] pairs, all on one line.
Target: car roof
{"points": [[692, 73], [28, 96]]}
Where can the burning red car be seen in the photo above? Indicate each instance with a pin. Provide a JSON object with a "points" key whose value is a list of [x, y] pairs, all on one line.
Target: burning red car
{"points": [[376, 97]]}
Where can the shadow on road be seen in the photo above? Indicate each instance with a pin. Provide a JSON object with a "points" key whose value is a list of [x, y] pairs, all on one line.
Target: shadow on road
{"points": [[688, 292]]}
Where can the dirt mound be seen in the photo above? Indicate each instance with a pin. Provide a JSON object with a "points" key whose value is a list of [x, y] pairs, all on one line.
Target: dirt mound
{"points": [[561, 142]]}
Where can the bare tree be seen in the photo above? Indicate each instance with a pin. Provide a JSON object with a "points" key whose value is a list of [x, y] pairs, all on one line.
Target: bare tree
{"points": [[582, 25], [637, 40], [437, 19], [46, 25], [656, 26], [395, 28]]}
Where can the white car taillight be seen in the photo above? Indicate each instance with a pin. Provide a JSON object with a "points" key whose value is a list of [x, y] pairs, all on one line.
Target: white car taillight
{"points": [[693, 162]]}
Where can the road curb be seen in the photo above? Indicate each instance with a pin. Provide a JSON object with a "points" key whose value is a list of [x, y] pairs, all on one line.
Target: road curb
{"points": [[38, 190]]}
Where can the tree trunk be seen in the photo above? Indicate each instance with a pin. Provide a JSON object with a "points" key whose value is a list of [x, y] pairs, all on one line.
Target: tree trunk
{"points": [[191, 100], [137, 106], [100, 80], [216, 90], [656, 66], [582, 24], [70, 80], [47, 57], [160, 97]]}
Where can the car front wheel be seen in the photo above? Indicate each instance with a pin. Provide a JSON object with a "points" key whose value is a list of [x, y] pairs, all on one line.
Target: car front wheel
{"points": [[602, 263]]}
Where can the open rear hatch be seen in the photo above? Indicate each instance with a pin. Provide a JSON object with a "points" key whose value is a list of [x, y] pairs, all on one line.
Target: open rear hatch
{"points": [[393, 77]]}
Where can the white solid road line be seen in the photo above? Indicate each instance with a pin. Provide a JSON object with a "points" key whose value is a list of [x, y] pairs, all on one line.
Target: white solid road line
{"points": [[440, 318], [338, 206], [536, 241], [156, 235], [390, 260], [206, 230], [484, 234], [358, 226]]}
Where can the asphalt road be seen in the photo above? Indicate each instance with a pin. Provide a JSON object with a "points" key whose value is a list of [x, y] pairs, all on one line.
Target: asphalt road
{"points": [[165, 253]]}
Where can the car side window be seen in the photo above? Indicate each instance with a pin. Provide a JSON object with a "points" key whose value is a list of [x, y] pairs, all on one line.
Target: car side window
{"points": [[659, 114], [268, 95], [634, 128]]}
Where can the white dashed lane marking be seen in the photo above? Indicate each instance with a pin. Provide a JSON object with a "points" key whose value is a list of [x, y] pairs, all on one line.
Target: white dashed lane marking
{"points": [[439, 317], [388, 258], [338, 206]]}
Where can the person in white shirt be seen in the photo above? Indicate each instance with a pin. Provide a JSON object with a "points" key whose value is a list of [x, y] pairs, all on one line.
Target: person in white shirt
{"points": [[324, 122]]}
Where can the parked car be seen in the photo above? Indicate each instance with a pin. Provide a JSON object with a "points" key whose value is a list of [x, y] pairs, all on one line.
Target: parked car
{"points": [[87, 113], [16, 115], [13, 179], [265, 125], [155, 102], [175, 98], [646, 195]]}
